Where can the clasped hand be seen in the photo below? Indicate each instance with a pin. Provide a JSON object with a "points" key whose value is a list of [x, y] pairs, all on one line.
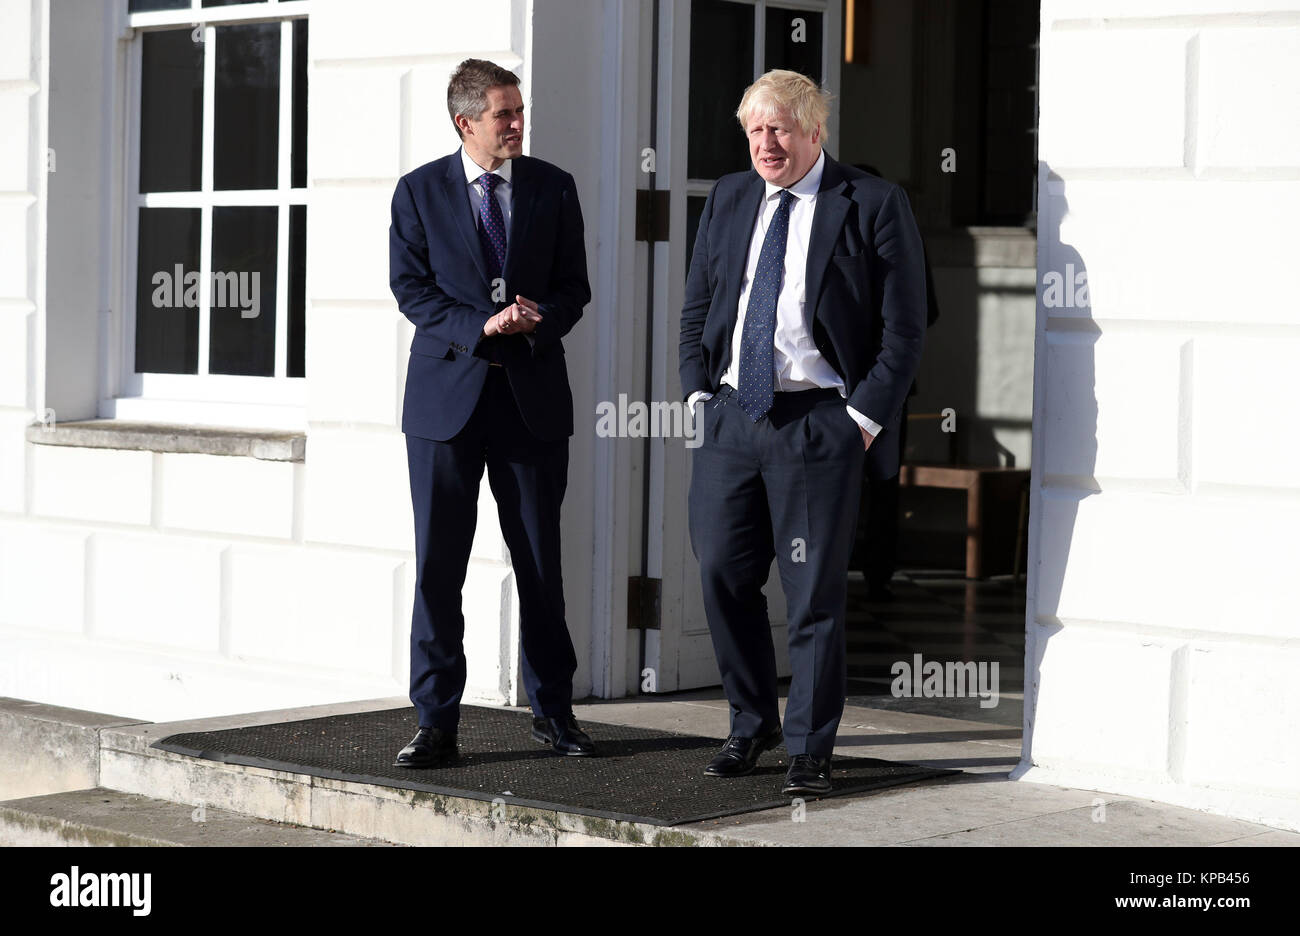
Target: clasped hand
{"points": [[520, 318]]}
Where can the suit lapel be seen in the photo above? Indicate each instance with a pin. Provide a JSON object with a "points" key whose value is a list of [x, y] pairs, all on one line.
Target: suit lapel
{"points": [[828, 221], [456, 189], [523, 195], [745, 206]]}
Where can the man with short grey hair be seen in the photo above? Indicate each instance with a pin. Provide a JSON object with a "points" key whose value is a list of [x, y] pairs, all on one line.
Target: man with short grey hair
{"points": [[487, 259], [800, 335]]}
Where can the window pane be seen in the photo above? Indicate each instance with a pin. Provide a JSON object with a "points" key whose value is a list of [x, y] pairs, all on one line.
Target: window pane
{"points": [[793, 40], [146, 6], [167, 291], [243, 290], [1010, 161], [297, 290], [247, 117], [208, 3], [722, 66], [171, 112], [299, 155]]}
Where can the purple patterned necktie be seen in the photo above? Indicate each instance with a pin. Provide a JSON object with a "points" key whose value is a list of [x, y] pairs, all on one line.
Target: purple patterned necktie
{"points": [[492, 227]]}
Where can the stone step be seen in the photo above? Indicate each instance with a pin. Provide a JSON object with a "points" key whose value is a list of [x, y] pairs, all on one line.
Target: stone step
{"points": [[103, 817], [152, 796], [49, 748], [404, 817]]}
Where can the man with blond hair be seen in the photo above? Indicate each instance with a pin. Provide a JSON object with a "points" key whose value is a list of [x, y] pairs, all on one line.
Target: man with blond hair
{"points": [[800, 335]]}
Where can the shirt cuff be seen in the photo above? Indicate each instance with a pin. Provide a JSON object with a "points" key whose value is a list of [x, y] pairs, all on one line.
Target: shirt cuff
{"points": [[870, 425], [696, 397]]}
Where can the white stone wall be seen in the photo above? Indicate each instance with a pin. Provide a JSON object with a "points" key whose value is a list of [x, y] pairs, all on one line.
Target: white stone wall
{"points": [[1162, 631], [379, 95], [22, 181], [167, 586]]}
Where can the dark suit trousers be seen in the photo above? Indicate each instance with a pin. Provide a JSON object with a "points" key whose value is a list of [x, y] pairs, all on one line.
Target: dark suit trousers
{"points": [[528, 479], [787, 485]]}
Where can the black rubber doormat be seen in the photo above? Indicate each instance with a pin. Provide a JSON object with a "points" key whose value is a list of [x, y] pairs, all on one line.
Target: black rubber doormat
{"points": [[648, 776]]}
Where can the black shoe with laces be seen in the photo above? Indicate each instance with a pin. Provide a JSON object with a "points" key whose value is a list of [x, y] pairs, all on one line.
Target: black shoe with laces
{"points": [[429, 748], [740, 755], [807, 774], [564, 736]]}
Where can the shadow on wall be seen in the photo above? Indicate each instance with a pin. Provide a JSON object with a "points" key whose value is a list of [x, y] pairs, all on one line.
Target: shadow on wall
{"points": [[1065, 430]]}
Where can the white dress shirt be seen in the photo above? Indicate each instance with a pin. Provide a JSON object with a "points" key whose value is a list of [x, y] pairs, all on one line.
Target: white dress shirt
{"points": [[503, 190], [797, 362]]}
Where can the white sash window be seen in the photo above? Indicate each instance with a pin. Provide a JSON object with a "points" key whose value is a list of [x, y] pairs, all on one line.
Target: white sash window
{"points": [[216, 214]]}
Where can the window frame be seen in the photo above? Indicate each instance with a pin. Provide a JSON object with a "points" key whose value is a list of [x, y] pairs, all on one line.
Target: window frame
{"points": [[700, 187], [274, 402]]}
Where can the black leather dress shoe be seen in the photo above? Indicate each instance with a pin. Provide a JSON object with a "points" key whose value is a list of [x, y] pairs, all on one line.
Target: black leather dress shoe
{"points": [[564, 736], [808, 774], [740, 755], [429, 748]]}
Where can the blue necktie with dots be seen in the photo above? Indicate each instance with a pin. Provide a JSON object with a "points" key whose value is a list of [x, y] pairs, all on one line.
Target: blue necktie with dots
{"points": [[492, 226], [759, 335]]}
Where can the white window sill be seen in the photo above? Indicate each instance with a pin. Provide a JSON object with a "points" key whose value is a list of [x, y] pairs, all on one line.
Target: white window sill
{"points": [[266, 444]]}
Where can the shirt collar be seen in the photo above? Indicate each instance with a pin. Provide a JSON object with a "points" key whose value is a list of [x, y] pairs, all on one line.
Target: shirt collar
{"points": [[473, 170], [806, 187]]}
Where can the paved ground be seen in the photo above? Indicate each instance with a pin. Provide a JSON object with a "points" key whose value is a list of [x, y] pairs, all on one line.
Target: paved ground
{"points": [[942, 618], [978, 807]]}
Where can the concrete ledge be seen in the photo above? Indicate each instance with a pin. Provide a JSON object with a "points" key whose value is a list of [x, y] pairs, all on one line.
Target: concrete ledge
{"points": [[166, 437], [100, 817], [408, 817], [979, 807], [48, 748]]}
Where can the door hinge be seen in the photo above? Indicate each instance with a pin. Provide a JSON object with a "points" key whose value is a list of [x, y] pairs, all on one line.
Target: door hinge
{"points": [[651, 215], [643, 602]]}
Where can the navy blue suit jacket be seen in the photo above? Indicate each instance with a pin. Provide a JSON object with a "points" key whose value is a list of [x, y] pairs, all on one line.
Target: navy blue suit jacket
{"points": [[440, 280], [865, 291]]}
